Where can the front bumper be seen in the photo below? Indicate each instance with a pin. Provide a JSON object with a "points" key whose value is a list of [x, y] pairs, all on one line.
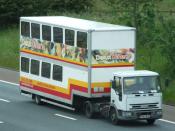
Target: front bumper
{"points": [[140, 114]]}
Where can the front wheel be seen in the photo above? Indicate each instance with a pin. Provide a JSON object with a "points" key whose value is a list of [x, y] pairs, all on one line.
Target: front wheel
{"points": [[38, 100], [113, 116], [89, 112], [151, 121]]}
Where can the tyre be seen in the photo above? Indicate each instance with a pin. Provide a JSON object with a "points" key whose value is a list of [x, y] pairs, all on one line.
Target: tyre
{"points": [[38, 100], [113, 116], [151, 121], [89, 109], [33, 97]]}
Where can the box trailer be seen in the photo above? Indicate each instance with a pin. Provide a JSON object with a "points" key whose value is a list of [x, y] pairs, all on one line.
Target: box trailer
{"points": [[82, 64]]}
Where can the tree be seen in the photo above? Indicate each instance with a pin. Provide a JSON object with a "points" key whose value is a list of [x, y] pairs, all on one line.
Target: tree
{"points": [[11, 10], [135, 12], [167, 40], [142, 15]]}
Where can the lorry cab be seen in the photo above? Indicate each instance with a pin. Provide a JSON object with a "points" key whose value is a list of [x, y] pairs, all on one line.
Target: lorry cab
{"points": [[135, 95]]}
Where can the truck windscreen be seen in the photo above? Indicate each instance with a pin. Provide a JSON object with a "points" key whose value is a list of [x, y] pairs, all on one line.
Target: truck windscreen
{"points": [[141, 84]]}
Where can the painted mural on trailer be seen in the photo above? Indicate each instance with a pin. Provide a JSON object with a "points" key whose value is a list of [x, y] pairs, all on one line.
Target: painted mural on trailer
{"points": [[55, 49], [113, 56], [77, 54]]}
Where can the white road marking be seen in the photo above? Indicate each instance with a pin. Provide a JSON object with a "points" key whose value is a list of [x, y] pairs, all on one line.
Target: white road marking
{"points": [[67, 117], [172, 122], [9, 82], [60, 114], [4, 100], [1, 122]]}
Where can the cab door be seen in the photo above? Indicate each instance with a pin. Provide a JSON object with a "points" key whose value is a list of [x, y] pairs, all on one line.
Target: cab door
{"points": [[116, 93]]}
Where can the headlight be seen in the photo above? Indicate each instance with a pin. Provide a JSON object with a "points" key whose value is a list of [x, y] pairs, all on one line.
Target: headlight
{"points": [[159, 112], [126, 114]]}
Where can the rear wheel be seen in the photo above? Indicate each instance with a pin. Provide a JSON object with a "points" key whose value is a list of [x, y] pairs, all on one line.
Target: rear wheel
{"points": [[113, 116], [33, 97], [89, 112], [151, 121], [38, 100]]}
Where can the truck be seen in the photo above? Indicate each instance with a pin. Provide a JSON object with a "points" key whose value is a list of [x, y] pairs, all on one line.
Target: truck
{"points": [[81, 64]]}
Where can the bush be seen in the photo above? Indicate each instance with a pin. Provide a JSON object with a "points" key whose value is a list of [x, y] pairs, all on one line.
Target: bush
{"points": [[11, 10]]}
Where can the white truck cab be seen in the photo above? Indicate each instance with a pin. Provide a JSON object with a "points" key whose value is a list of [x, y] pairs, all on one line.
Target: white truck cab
{"points": [[135, 95]]}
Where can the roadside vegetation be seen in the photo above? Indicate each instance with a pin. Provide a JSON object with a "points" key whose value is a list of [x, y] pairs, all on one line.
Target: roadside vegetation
{"points": [[9, 48], [154, 20]]}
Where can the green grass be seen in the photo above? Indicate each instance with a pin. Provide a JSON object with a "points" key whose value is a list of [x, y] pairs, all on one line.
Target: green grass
{"points": [[169, 94], [9, 48], [167, 5]]}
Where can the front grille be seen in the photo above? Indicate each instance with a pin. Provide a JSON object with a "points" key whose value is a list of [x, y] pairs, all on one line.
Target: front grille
{"points": [[145, 106]]}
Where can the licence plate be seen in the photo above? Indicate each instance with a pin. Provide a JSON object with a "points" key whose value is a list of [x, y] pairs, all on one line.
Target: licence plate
{"points": [[144, 116]]}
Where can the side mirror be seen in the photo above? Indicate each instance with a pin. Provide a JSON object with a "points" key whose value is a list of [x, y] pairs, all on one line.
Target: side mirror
{"points": [[113, 84]]}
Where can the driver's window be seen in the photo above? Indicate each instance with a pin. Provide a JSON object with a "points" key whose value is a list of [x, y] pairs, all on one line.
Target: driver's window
{"points": [[117, 81], [118, 84]]}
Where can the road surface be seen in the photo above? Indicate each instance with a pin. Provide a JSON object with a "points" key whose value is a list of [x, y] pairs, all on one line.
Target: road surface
{"points": [[20, 113], [13, 76]]}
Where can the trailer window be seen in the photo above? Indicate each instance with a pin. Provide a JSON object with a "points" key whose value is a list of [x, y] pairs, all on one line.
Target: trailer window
{"points": [[57, 72], [25, 64], [81, 39], [46, 32], [69, 37], [25, 29], [58, 35], [35, 29], [45, 70], [34, 69]]}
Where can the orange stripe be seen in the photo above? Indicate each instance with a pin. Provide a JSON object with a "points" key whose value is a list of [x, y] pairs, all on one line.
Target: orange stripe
{"points": [[31, 83], [80, 85], [78, 63], [100, 84], [54, 57], [122, 64]]}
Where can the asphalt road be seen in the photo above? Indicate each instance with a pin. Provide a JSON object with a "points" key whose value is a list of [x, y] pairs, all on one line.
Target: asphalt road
{"points": [[20, 113], [13, 76]]}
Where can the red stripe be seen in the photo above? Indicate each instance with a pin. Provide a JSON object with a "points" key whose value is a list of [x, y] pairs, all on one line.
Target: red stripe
{"points": [[78, 88], [55, 58], [56, 93]]}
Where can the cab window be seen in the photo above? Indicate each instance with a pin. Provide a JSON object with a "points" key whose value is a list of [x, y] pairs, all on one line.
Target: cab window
{"points": [[117, 83]]}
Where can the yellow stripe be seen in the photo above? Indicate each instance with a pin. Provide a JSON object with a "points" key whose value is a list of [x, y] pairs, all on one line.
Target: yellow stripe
{"points": [[78, 82], [55, 57], [52, 87], [61, 89]]}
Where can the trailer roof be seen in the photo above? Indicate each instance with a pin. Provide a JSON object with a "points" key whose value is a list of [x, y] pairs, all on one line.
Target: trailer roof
{"points": [[76, 23], [135, 73]]}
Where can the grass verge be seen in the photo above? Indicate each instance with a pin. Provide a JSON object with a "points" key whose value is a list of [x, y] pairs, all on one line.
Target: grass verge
{"points": [[9, 48]]}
